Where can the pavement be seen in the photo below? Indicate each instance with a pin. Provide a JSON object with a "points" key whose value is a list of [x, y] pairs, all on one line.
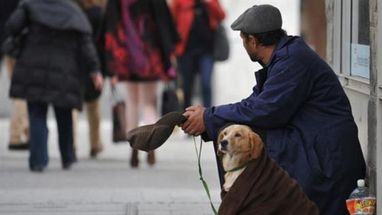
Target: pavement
{"points": [[108, 185]]}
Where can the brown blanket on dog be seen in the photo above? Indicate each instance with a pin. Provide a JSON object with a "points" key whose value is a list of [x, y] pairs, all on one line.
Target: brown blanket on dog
{"points": [[264, 189]]}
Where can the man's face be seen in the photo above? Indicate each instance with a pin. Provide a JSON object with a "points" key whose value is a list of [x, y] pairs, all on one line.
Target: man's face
{"points": [[250, 46]]}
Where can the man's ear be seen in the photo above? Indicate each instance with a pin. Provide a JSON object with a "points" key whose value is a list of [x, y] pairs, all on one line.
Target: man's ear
{"points": [[257, 145], [252, 41]]}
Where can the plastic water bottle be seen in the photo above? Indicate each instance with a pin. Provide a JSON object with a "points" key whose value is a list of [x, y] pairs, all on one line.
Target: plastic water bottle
{"points": [[360, 202], [361, 191]]}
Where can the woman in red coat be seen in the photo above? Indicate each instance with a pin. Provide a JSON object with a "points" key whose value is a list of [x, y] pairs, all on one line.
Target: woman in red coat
{"points": [[197, 21]]}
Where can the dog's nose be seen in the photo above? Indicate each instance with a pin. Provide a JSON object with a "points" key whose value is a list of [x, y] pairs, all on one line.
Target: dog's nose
{"points": [[224, 143]]}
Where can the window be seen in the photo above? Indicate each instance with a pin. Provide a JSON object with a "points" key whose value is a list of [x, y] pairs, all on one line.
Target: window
{"points": [[360, 39]]}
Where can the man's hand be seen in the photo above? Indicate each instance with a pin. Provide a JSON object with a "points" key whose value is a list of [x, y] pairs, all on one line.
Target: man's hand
{"points": [[97, 80], [195, 123], [114, 80]]}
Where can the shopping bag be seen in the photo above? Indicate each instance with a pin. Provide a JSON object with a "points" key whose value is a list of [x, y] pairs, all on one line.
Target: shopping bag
{"points": [[119, 119], [170, 101], [221, 44]]}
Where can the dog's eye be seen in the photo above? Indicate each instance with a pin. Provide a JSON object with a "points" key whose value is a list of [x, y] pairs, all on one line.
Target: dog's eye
{"points": [[237, 135]]}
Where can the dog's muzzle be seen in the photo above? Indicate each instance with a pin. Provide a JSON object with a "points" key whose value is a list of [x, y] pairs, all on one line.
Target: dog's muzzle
{"points": [[223, 147]]}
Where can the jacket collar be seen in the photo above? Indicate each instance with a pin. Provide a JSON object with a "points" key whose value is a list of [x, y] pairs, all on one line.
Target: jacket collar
{"points": [[283, 41], [261, 75]]}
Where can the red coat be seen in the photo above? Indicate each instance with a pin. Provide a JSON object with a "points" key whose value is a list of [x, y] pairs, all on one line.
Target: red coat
{"points": [[183, 14]]}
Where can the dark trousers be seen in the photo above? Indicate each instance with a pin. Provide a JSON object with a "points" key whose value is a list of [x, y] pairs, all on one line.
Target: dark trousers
{"points": [[39, 134], [191, 64]]}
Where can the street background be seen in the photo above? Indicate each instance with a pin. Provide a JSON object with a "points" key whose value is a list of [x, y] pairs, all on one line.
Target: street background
{"points": [[108, 185]]}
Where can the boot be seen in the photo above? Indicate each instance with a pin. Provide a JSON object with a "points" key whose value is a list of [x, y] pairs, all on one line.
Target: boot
{"points": [[134, 161], [95, 151], [151, 158]]}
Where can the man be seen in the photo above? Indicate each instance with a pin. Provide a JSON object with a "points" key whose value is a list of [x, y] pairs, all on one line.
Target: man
{"points": [[300, 105], [54, 76], [19, 127]]}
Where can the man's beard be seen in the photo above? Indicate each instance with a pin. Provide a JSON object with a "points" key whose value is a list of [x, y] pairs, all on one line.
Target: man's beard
{"points": [[254, 58]]}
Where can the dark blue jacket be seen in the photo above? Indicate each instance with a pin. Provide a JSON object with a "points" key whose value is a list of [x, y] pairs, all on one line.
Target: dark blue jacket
{"points": [[310, 130]]}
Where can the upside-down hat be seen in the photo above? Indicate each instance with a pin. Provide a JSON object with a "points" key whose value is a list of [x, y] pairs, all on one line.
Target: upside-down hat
{"points": [[150, 137]]}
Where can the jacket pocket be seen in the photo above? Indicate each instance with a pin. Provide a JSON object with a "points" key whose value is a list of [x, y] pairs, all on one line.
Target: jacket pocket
{"points": [[321, 156]]}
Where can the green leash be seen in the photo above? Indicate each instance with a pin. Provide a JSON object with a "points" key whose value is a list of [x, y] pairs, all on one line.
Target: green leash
{"points": [[199, 155]]}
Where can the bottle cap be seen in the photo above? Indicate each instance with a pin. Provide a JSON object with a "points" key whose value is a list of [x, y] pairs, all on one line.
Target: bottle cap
{"points": [[360, 183]]}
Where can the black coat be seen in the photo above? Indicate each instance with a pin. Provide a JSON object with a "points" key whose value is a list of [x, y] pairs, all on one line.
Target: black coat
{"points": [[95, 16], [58, 44], [6, 9]]}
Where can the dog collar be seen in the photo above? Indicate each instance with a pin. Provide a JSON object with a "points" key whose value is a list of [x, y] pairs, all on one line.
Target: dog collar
{"points": [[240, 167]]}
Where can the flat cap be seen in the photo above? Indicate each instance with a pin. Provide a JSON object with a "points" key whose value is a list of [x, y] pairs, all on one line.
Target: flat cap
{"points": [[150, 137], [258, 19]]}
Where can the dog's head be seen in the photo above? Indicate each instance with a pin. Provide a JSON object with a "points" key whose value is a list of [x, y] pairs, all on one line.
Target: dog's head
{"points": [[240, 140]]}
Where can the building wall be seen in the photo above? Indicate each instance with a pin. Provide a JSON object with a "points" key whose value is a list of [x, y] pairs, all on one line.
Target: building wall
{"points": [[365, 94], [376, 116]]}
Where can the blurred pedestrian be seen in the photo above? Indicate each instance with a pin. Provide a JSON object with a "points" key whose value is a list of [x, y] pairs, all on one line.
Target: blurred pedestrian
{"points": [[19, 125], [18, 128], [48, 71], [298, 107], [197, 21], [6, 9], [140, 38], [94, 10]]}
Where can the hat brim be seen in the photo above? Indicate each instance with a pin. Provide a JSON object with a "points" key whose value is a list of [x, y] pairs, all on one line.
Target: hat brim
{"points": [[238, 24], [149, 137]]}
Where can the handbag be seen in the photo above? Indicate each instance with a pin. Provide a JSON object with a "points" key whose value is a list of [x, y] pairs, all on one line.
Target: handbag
{"points": [[170, 101], [221, 48], [119, 118]]}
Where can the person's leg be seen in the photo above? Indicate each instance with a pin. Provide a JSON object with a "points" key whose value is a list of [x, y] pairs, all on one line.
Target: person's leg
{"points": [[148, 94], [24, 122], [93, 114], [65, 135], [206, 64], [19, 126], [187, 74], [75, 114], [9, 64], [38, 158], [132, 115]]}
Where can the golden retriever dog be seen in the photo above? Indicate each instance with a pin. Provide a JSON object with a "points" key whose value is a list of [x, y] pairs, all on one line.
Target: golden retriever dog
{"points": [[238, 145], [255, 183]]}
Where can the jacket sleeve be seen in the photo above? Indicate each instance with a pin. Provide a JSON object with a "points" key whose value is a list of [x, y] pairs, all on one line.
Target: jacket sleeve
{"points": [[216, 10], [282, 95], [89, 54], [18, 21], [173, 9]]}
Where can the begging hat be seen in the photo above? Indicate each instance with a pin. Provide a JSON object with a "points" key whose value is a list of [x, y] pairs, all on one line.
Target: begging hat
{"points": [[258, 19], [150, 137]]}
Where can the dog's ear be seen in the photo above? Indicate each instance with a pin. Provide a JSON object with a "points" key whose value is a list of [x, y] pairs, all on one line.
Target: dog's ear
{"points": [[220, 137], [256, 145]]}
